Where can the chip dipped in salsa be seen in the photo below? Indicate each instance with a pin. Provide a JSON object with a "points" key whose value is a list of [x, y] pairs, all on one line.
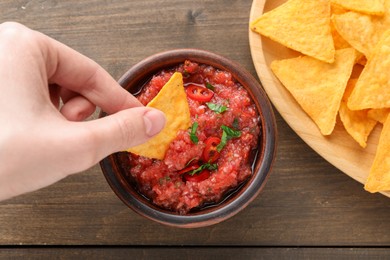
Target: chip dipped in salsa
{"points": [[214, 156]]}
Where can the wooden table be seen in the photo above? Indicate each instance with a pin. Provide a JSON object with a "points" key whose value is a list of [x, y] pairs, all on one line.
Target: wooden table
{"points": [[308, 209]]}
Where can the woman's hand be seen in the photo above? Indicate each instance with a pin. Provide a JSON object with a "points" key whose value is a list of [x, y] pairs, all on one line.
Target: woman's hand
{"points": [[41, 143]]}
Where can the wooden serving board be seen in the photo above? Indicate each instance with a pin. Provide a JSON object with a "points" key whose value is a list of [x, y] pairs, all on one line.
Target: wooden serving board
{"points": [[339, 148]]}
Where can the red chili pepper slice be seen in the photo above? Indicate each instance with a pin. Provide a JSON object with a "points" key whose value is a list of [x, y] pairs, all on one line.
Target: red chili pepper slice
{"points": [[203, 175], [189, 168], [210, 153], [199, 93]]}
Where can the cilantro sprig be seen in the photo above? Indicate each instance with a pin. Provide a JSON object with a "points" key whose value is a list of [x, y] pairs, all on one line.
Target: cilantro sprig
{"points": [[236, 123], [217, 108], [194, 138], [227, 134], [209, 86], [208, 166]]}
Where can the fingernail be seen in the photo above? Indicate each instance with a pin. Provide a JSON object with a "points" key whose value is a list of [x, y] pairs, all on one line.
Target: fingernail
{"points": [[154, 122]]}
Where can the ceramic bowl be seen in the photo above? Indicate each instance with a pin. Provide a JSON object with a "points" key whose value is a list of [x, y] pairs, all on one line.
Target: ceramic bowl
{"points": [[115, 166]]}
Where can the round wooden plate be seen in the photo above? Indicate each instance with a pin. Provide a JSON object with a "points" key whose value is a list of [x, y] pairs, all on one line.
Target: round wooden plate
{"points": [[339, 148]]}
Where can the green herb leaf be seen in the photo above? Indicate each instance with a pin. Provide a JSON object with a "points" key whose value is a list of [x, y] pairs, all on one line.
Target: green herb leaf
{"points": [[194, 138], [164, 179], [231, 133], [185, 74], [222, 144], [236, 124], [209, 86], [216, 107], [207, 166], [227, 134]]}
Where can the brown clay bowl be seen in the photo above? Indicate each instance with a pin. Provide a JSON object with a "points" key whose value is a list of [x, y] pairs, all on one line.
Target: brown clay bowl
{"points": [[115, 166]]}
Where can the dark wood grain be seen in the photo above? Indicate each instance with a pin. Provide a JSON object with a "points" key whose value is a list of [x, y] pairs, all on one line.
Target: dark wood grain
{"points": [[307, 202], [196, 253]]}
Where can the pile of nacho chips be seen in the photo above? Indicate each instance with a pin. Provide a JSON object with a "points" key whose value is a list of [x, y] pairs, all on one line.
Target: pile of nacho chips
{"points": [[335, 39]]}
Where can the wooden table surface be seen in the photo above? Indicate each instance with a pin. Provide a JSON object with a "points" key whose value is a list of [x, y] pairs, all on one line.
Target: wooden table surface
{"points": [[308, 209]]}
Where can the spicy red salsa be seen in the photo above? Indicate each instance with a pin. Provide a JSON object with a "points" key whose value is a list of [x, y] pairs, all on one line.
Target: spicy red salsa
{"points": [[214, 155]]}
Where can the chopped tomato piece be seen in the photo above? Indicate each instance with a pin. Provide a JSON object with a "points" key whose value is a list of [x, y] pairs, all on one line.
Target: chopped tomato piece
{"points": [[203, 175], [190, 67], [210, 153], [199, 93], [222, 77]]}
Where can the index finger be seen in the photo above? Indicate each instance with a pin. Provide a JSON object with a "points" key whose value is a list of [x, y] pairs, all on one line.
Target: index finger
{"points": [[76, 72]]}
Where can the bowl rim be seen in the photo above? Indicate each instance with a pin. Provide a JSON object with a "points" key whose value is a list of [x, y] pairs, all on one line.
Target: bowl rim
{"points": [[257, 181]]}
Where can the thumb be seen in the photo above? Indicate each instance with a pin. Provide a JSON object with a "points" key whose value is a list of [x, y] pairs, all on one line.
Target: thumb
{"points": [[116, 132], [127, 128]]}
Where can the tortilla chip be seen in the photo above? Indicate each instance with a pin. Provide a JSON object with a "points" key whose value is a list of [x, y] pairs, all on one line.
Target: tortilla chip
{"points": [[379, 115], [356, 123], [362, 31], [374, 7], [337, 9], [362, 60], [373, 87], [338, 40], [302, 25], [317, 86], [379, 176], [172, 100], [351, 26]]}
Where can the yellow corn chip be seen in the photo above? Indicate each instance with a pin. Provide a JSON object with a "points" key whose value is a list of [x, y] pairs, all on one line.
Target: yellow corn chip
{"points": [[356, 123], [373, 87], [379, 176], [375, 7], [338, 40], [362, 60], [337, 9], [362, 31], [357, 29], [317, 86], [302, 25], [379, 115], [172, 100]]}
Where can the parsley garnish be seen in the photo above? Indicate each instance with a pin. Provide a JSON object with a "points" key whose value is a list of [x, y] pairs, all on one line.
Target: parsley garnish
{"points": [[216, 107], [207, 166], [185, 74], [193, 136], [230, 132], [236, 124], [223, 142], [227, 134], [164, 179], [209, 86]]}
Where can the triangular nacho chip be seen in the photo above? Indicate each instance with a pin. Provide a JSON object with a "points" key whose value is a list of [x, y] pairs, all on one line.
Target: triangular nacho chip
{"points": [[362, 31], [375, 7], [379, 114], [358, 30], [172, 100], [356, 122], [337, 9], [373, 87], [338, 40], [317, 86], [302, 25], [379, 176]]}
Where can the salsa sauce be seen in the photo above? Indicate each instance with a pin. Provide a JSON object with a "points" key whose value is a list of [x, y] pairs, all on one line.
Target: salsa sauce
{"points": [[167, 182]]}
